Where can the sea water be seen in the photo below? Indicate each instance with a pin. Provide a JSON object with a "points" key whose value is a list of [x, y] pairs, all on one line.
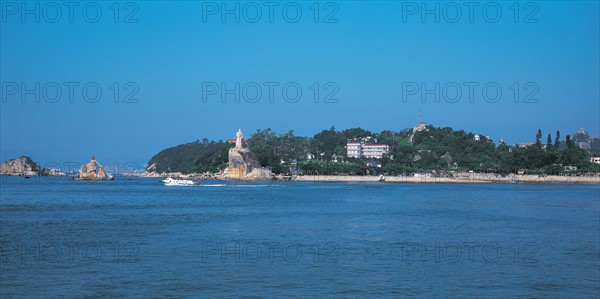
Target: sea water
{"points": [[134, 237]]}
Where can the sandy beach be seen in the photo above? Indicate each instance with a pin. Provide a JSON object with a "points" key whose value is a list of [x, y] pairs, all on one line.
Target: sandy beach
{"points": [[471, 178], [460, 178]]}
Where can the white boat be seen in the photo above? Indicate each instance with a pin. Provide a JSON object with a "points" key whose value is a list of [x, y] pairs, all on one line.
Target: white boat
{"points": [[177, 182]]}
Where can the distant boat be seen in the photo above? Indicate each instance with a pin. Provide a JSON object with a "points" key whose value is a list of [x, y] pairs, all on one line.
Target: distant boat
{"points": [[177, 182]]}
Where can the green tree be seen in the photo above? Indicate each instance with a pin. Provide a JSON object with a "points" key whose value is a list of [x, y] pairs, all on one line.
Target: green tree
{"points": [[575, 156], [356, 133], [192, 157], [538, 137], [264, 144], [431, 149], [325, 143]]}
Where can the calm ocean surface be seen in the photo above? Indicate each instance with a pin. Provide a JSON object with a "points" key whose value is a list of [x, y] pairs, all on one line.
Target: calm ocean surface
{"points": [[137, 238]]}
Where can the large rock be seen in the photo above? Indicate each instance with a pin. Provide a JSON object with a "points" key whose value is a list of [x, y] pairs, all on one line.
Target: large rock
{"points": [[243, 165], [447, 158], [22, 166], [93, 171]]}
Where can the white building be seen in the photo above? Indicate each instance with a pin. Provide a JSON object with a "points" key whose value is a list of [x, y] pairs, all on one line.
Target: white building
{"points": [[375, 150], [595, 160], [357, 150], [354, 149], [523, 145]]}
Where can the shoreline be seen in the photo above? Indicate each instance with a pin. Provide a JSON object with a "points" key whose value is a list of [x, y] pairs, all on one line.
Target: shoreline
{"points": [[472, 179], [461, 178]]}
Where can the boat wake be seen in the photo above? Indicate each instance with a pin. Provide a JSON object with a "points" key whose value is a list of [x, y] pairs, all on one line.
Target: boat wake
{"points": [[254, 186], [239, 186]]}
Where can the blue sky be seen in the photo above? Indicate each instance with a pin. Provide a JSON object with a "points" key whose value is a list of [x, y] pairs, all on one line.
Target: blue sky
{"points": [[368, 56]]}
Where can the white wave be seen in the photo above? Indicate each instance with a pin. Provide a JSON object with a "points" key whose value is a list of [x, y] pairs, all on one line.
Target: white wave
{"points": [[254, 186]]}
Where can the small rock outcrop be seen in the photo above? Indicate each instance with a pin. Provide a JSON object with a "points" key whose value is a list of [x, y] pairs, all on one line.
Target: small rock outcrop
{"points": [[151, 168], [93, 171], [24, 166], [447, 158], [243, 164]]}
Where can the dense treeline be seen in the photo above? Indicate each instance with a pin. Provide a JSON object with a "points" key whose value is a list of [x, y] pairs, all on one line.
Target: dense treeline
{"points": [[431, 149], [197, 156]]}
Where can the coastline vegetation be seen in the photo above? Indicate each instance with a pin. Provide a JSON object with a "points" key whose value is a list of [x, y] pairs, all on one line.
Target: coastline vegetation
{"points": [[431, 150]]}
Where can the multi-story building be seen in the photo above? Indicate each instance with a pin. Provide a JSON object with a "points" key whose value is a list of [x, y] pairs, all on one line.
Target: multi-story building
{"points": [[524, 145], [360, 149], [354, 149], [375, 150]]}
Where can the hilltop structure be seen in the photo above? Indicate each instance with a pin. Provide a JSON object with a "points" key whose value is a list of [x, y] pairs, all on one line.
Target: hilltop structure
{"points": [[421, 127], [585, 140], [243, 164]]}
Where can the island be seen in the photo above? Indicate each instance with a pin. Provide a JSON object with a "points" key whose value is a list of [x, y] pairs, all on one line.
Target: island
{"points": [[424, 153], [25, 166]]}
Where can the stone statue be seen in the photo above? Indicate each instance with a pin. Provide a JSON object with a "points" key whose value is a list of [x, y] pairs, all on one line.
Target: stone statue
{"points": [[243, 163], [238, 138]]}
